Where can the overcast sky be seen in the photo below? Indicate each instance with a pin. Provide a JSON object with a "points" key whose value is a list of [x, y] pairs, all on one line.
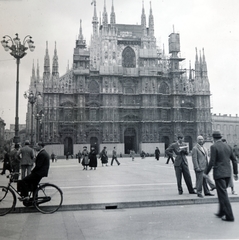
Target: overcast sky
{"points": [[209, 24]]}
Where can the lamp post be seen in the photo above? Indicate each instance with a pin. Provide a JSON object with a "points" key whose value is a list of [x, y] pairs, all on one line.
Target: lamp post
{"points": [[39, 118], [31, 99], [18, 51]]}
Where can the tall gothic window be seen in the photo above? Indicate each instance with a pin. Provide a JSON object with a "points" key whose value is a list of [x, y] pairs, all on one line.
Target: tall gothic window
{"points": [[128, 58], [93, 87], [163, 88]]}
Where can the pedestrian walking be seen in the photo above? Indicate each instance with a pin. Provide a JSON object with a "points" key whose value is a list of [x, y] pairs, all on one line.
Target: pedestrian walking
{"points": [[6, 162], [15, 161], [231, 182], [157, 153], [93, 159], [26, 155], [221, 155], [181, 164], [200, 163], [104, 157], [53, 157], [132, 154], [114, 157], [236, 152], [169, 157], [85, 158], [79, 155]]}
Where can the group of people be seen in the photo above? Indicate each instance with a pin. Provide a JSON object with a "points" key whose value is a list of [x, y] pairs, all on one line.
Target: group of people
{"points": [[89, 159], [221, 157], [19, 158], [23, 159]]}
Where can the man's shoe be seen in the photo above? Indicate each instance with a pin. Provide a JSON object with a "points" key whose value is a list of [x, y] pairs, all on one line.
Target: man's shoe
{"points": [[180, 192], [212, 188], [23, 198], [234, 193], [224, 218], [219, 215], [192, 193], [209, 194], [200, 195]]}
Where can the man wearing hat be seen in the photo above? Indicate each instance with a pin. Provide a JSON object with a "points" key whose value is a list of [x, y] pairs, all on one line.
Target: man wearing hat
{"points": [[221, 155], [26, 155], [181, 164]]}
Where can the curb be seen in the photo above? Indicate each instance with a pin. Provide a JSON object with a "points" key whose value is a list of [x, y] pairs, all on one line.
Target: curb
{"points": [[124, 205]]}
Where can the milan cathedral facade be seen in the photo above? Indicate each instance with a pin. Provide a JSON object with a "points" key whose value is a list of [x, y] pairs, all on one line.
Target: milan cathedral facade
{"points": [[122, 91]]}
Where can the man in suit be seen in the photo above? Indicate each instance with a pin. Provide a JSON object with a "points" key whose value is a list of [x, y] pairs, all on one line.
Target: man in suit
{"points": [[200, 163], [181, 164], [26, 155], [221, 155], [40, 170]]}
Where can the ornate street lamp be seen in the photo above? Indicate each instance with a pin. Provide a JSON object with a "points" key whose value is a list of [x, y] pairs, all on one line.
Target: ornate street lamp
{"points": [[31, 99], [18, 51]]}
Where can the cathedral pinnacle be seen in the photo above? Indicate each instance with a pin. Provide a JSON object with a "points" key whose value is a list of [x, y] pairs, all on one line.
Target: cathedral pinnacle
{"points": [[80, 37], [95, 20], [46, 62], [55, 62], [143, 21]]}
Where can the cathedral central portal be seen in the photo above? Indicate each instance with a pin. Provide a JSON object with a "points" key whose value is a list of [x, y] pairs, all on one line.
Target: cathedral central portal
{"points": [[130, 140]]}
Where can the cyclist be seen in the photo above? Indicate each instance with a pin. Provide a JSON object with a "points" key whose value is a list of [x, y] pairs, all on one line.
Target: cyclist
{"points": [[40, 170]]}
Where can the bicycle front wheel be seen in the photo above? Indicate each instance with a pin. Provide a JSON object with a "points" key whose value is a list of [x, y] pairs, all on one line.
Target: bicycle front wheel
{"points": [[48, 198], [7, 200]]}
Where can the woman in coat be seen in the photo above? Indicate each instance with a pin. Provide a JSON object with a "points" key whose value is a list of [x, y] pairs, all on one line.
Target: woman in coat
{"points": [[104, 157], [85, 158], [93, 159]]}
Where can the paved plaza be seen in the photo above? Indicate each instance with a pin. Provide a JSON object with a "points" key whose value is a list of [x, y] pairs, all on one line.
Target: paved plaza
{"points": [[138, 183], [136, 200]]}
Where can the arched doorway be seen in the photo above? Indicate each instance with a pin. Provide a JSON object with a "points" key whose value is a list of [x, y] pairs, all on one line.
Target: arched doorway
{"points": [[129, 140], [188, 139], [68, 146], [165, 140], [94, 143]]}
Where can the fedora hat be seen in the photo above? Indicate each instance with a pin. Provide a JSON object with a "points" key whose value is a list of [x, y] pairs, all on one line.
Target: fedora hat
{"points": [[217, 134]]}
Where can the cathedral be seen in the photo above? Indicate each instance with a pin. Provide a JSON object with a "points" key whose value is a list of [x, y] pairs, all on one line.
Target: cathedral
{"points": [[122, 91]]}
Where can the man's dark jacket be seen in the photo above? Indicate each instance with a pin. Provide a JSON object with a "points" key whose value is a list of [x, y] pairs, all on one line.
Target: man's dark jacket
{"points": [[221, 155], [42, 164]]}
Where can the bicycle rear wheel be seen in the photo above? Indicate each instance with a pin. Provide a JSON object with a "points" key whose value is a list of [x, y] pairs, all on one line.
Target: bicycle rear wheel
{"points": [[48, 198], [7, 200]]}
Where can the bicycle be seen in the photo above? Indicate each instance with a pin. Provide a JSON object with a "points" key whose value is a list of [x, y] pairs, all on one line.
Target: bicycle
{"points": [[47, 198]]}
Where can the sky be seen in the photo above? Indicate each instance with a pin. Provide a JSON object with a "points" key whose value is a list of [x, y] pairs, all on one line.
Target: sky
{"points": [[211, 25]]}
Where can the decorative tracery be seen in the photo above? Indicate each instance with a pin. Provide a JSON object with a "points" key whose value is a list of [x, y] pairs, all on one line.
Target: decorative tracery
{"points": [[128, 58]]}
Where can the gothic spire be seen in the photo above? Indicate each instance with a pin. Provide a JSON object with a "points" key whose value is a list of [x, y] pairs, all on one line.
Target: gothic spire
{"points": [[151, 22], [38, 75], [112, 15], [197, 65], [80, 36], [105, 17], [55, 63], [46, 63], [204, 64], [33, 70], [190, 71], [95, 20], [143, 21]]}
